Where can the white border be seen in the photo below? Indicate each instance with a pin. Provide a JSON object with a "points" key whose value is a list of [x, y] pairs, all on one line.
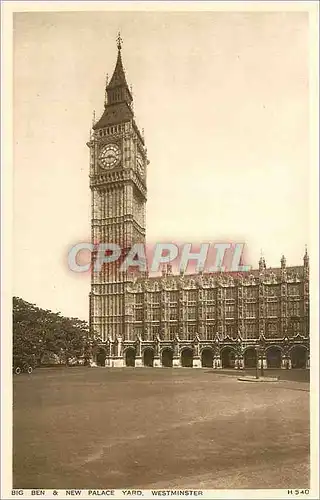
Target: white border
{"points": [[8, 8]]}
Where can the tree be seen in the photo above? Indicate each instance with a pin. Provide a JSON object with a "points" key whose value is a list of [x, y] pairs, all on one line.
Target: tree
{"points": [[38, 331]]}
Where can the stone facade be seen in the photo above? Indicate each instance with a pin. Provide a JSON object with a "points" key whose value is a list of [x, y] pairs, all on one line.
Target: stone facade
{"points": [[221, 320], [230, 320], [118, 162]]}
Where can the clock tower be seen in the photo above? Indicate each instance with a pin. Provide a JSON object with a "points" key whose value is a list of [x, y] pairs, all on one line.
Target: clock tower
{"points": [[118, 160]]}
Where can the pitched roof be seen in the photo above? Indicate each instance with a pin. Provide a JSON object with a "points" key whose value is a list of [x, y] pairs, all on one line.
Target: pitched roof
{"points": [[118, 78], [118, 108], [233, 274], [114, 114]]}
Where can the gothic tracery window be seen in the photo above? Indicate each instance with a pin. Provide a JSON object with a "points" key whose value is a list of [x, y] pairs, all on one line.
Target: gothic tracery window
{"points": [[272, 330], [230, 310], [251, 310], [210, 331], [210, 312], [156, 314], [191, 312], [272, 309], [294, 308]]}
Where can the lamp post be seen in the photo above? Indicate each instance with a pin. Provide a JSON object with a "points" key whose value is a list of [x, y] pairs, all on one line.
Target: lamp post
{"points": [[259, 357], [39, 351]]}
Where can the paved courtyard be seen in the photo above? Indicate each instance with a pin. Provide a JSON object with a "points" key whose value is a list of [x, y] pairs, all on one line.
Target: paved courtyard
{"points": [[153, 428]]}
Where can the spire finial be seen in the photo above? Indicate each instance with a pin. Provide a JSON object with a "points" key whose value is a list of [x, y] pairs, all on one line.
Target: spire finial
{"points": [[119, 41], [306, 256], [306, 263], [94, 118], [262, 262]]}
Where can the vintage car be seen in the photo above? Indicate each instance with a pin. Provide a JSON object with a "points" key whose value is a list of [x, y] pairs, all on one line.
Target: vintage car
{"points": [[23, 364]]}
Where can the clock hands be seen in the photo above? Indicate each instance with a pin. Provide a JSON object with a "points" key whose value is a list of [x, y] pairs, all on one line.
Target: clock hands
{"points": [[109, 155]]}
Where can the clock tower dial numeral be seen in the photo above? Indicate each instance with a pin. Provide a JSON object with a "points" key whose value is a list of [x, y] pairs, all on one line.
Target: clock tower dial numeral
{"points": [[109, 156]]}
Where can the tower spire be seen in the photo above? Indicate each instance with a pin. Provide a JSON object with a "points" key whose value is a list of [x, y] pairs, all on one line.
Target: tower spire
{"points": [[117, 98], [118, 78], [306, 257], [262, 262]]}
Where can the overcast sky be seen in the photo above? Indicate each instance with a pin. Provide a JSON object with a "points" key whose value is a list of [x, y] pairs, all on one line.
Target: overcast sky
{"points": [[223, 100]]}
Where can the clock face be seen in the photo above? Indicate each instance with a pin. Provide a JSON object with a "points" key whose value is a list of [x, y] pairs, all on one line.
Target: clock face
{"points": [[109, 156], [140, 165]]}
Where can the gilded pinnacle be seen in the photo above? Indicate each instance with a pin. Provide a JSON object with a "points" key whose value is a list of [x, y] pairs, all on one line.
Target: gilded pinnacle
{"points": [[119, 41]]}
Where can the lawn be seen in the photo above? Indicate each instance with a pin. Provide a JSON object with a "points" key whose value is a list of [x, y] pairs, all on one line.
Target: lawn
{"points": [[154, 428]]}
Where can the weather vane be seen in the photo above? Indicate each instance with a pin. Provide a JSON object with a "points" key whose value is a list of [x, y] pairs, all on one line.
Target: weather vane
{"points": [[119, 41]]}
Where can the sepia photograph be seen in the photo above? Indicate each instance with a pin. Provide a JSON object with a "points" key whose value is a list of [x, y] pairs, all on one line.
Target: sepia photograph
{"points": [[160, 308]]}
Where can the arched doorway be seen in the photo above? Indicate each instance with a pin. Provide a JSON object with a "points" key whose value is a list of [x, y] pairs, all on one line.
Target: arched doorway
{"points": [[299, 356], [130, 357], [273, 357], [148, 357], [101, 357], [187, 358], [228, 357], [167, 358], [207, 358], [250, 358]]}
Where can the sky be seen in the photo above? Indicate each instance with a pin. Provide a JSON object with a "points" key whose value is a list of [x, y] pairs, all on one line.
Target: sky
{"points": [[223, 100]]}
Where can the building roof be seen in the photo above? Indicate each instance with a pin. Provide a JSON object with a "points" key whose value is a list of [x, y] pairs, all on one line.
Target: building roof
{"points": [[114, 114], [270, 275], [118, 97], [118, 78]]}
